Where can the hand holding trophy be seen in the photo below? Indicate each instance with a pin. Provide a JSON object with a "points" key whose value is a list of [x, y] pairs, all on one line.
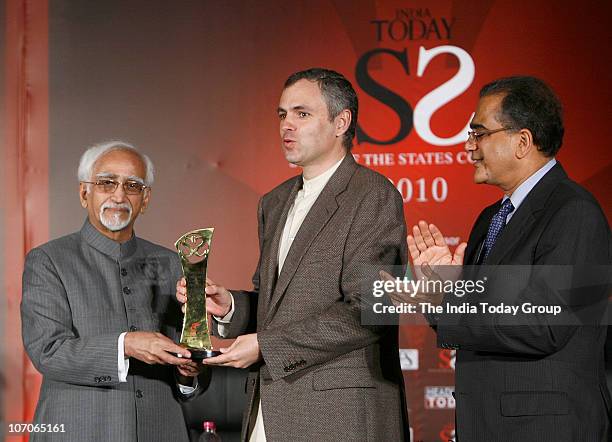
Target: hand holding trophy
{"points": [[193, 249]]}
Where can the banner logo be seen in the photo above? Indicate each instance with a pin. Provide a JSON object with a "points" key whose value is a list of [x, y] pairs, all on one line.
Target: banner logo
{"points": [[409, 358], [439, 398]]}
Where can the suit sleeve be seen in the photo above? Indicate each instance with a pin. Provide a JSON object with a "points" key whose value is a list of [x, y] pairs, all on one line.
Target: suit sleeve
{"points": [[48, 336], [376, 241], [572, 252]]}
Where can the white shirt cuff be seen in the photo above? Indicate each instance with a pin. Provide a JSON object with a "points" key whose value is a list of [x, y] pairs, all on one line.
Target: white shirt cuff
{"points": [[223, 323], [123, 363], [189, 389], [227, 318]]}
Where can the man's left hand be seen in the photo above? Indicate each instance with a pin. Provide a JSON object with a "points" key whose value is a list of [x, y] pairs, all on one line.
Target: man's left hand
{"points": [[190, 369], [241, 354]]}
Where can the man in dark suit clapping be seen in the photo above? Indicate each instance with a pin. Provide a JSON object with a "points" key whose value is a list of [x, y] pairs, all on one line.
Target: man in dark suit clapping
{"points": [[526, 377]]}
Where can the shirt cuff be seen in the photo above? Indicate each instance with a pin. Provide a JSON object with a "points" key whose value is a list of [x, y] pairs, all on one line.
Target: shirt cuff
{"points": [[123, 363], [223, 323], [227, 318], [189, 389]]}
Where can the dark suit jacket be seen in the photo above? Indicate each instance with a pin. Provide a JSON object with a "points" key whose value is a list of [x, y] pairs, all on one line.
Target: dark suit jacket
{"points": [[80, 292], [325, 376], [538, 381]]}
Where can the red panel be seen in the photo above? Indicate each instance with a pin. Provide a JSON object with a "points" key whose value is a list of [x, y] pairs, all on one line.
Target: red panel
{"points": [[26, 166]]}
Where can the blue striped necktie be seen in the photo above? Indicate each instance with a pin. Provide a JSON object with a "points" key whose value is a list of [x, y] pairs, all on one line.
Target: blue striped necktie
{"points": [[497, 225]]}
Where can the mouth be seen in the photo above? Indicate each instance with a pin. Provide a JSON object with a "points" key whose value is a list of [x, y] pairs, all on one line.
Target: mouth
{"points": [[289, 143]]}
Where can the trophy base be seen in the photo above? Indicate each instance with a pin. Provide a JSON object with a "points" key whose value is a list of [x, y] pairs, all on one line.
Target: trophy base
{"points": [[199, 354]]}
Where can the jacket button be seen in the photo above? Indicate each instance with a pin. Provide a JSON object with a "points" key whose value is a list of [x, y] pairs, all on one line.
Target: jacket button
{"points": [[123, 272], [126, 290], [138, 394], [132, 328]]}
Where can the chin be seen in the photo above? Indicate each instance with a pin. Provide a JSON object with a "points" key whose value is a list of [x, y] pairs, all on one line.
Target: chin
{"points": [[292, 159], [115, 225], [480, 178]]}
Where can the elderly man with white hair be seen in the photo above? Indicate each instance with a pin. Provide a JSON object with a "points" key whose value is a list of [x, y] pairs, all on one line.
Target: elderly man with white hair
{"points": [[99, 315]]}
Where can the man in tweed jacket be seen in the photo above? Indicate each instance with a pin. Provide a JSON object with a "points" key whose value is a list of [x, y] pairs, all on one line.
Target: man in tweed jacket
{"points": [[316, 372], [94, 304]]}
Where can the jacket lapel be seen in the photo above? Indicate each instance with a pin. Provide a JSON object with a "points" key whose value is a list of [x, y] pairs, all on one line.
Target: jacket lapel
{"points": [[519, 224], [474, 251], [318, 216], [522, 221], [278, 212]]}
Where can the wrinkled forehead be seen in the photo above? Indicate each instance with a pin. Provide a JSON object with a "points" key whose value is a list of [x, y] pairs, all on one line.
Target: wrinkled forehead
{"points": [[300, 93], [120, 164], [114, 176], [488, 112]]}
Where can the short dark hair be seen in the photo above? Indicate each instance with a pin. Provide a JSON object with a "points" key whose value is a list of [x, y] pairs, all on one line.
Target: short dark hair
{"points": [[529, 103], [338, 94]]}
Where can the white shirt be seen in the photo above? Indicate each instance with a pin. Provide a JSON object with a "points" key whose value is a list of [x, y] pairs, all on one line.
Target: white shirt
{"points": [[302, 204]]}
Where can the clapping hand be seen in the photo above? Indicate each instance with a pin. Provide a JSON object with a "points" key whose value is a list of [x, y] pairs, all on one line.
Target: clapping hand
{"points": [[432, 260]]}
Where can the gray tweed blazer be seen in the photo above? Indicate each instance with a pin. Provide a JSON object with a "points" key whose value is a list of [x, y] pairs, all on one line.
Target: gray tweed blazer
{"points": [[325, 376]]}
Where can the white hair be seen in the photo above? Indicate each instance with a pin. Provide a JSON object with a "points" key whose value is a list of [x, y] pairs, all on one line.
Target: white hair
{"points": [[93, 153]]}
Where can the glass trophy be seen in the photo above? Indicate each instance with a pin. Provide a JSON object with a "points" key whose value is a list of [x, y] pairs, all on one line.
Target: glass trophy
{"points": [[193, 249]]}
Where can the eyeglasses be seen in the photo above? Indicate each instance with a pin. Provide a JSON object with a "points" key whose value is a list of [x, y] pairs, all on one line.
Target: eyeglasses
{"points": [[475, 135], [107, 185]]}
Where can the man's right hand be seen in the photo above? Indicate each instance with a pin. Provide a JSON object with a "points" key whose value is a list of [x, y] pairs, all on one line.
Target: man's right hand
{"points": [[427, 246], [218, 298], [153, 348], [432, 260]]}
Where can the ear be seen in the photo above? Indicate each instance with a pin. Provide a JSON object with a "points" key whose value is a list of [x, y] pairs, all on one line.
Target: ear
{"points": [[83, 194], [524, 143], [145, 200], [342, 122]]}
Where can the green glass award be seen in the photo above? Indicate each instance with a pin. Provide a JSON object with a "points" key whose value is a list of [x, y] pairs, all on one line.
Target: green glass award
{"points": [[193, 249]]}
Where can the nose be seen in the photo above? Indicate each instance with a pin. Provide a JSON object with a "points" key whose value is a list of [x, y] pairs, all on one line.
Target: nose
{"points": [[470, 146], [287, 124], [119, 194]]}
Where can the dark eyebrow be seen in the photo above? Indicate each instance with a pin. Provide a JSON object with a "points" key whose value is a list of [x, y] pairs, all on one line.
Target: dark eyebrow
{"points": [[299, 107]]}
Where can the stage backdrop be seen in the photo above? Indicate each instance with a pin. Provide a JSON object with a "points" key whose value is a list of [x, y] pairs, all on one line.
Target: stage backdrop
{"points": [[195, 84]]}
